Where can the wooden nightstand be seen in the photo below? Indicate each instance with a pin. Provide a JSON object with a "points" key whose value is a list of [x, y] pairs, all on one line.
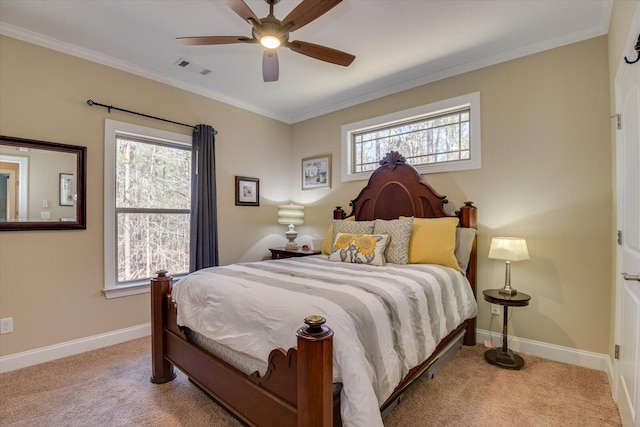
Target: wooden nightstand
{"points": [[282, 253], [503, 356]]}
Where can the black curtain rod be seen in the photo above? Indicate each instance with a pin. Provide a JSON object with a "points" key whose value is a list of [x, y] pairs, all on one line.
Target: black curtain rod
{"points": [[91, 103]]}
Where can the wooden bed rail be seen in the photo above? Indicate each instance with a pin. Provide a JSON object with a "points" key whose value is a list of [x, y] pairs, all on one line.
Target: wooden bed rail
{"points": [[304, 374]]}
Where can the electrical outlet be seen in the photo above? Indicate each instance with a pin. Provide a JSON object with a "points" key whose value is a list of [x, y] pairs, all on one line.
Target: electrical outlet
{"points": [[495, 309], [6, 325]]}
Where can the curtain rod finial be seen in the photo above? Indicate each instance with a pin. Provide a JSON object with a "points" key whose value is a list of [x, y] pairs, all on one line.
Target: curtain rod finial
{"points": [[90, 102]]}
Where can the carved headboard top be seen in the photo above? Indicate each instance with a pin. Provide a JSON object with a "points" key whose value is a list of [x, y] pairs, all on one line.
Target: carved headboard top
{"points": [[396, 189]]}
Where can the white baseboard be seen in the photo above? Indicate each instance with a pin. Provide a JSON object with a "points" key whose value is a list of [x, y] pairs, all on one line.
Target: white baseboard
{"points": [[572, 356], [558, 353], [69, 348]]}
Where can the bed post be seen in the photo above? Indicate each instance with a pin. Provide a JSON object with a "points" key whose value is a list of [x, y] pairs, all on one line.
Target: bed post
{"points": [[161, 369], [469, 218], [339, 213], [315, 373]]}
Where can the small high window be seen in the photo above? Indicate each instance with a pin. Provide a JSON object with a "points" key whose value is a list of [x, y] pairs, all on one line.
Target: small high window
{"points": [[439, 137]]}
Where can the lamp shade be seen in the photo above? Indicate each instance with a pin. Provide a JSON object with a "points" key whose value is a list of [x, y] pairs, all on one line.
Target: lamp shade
{"points": [[291, 214], [508, 249]]}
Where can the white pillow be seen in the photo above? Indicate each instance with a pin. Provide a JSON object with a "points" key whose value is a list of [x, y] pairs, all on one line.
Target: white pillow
{"points": [[464, 243]]}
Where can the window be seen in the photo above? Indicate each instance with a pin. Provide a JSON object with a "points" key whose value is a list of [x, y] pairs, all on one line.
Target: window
{"points": [[147, 206], [439, 137]]}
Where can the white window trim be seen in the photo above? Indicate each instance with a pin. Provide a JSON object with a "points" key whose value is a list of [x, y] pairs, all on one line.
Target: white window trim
{"points": [[471, 100], [112, 129]]}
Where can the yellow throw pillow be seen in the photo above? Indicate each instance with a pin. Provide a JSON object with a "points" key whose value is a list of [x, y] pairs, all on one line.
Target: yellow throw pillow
{"points": [[328, 238], [433, 241]]}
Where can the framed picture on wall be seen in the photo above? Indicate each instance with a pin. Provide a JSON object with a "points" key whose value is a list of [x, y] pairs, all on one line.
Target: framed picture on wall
{"points": [[316, 172], [66, 189], [247, 191]]}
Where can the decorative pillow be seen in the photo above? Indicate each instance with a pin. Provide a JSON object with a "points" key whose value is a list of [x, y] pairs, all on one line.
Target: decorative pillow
{"points": [[400, 232], [433, 241], [328, 238], [351, 227], [464, 243], [360, 248]]}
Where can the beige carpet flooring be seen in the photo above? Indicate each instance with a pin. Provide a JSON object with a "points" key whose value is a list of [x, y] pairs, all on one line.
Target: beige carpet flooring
{"points": [[110, 387]]}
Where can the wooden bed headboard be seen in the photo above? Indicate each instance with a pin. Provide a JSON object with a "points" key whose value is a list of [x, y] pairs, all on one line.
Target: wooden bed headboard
{"points": [[397, 189]]}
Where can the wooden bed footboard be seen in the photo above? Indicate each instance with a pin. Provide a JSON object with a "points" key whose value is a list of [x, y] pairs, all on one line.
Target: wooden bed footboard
{"points": [[296, 390]]}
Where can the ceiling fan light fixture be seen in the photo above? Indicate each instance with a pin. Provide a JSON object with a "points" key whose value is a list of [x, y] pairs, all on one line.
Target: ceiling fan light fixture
{"points": [[271, 33], [270, 42]]}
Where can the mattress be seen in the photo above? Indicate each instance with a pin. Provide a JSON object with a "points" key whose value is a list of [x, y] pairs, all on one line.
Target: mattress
{"points": [[241, 361], [386, 319]]}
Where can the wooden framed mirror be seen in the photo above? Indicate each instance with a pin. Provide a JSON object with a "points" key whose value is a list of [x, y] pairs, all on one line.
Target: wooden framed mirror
{"points": [[42, 185]]}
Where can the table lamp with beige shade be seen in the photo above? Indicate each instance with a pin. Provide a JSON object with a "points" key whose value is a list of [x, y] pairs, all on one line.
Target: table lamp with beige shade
{"points": [[509, 249]]}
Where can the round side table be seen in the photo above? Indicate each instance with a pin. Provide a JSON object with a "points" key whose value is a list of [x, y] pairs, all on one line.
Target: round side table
{"points": [[504, 357]]}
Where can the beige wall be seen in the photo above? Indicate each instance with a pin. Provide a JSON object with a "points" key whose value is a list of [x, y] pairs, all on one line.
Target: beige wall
{"points": [[51, 281], [545, 176], [44, 184], [44, 169]]}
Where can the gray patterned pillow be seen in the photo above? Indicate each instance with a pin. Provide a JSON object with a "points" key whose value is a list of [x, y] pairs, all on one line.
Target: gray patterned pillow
{"points": [[350, 227], [397, 251]]}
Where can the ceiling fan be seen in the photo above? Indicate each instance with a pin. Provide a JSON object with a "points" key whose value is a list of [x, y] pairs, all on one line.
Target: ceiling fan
{"points": [[272, 33]]}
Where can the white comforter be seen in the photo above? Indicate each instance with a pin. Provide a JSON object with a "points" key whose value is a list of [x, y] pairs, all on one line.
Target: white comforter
{"points": [[386, 319]]}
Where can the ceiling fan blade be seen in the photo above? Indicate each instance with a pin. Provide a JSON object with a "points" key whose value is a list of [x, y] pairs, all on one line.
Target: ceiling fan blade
{"points": [[241, 8], [270, 68], [322, 53], [307, 11], [207, 40]]}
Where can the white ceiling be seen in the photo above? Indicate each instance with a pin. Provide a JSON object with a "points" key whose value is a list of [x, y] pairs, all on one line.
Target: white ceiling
{"points": [[398, 44]]}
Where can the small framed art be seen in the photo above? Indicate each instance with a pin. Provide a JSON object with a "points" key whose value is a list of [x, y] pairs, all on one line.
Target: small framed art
{"points": [[66, 189], [247, 191], [316, 172]]}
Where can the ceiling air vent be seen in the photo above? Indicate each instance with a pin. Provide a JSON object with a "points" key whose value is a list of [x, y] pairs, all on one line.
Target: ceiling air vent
{"points": [[194, 68]]}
